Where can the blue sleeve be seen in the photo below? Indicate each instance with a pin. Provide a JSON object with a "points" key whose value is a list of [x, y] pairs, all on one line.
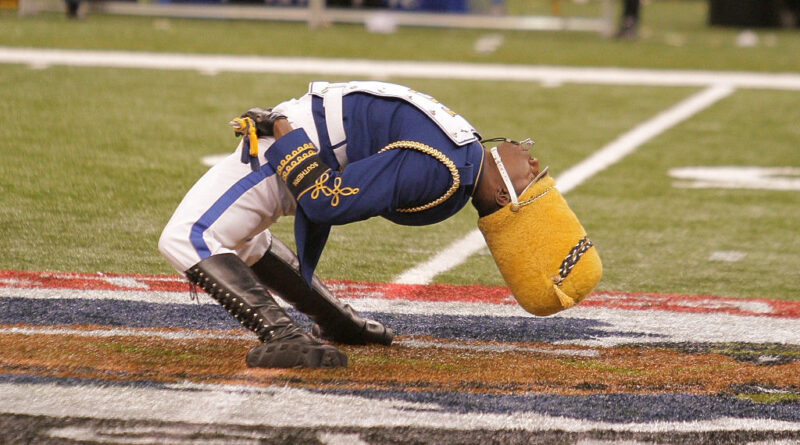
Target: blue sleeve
{"points": [[375, 185]]}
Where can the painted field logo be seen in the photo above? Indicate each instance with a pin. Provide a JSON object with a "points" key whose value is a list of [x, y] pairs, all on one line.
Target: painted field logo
{"points": [[732, 177], [467, 366]]}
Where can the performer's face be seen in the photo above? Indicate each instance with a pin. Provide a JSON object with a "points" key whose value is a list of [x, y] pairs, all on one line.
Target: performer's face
{"points": [[521, 167]]}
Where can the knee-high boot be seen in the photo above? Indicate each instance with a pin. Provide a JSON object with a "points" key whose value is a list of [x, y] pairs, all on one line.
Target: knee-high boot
{"points": [[279, 269], [227, 279]]}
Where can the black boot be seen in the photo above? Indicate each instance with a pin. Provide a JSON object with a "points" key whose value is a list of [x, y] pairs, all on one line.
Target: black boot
{"points": [[279, 269], [227, 279]]}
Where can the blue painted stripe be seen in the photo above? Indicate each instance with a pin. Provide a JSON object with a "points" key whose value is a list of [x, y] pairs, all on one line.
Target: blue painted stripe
{"points": [[611, 408], [221, 205], [53, 312]]}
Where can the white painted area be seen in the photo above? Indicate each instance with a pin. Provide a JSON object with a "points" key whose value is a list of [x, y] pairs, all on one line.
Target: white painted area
{"points": [[155, 435], [612, 442], [242, 405], [182, 334], [458, 252], [128, 282], [340, 439], [641, 327], [488, 43], [726, 256], [758, 307], [775, 442], [380, 23], [614, 326], [386, 68], [100, 276], [747, 39], [738, 177], [623, 326], [162, 297]]}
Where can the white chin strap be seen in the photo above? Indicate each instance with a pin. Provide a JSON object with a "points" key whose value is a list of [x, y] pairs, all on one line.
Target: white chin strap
{"points": [[504, 175]]}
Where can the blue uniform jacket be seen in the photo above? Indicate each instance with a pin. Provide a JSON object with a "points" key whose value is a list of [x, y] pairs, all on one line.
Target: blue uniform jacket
{"points": [[404, 184]]}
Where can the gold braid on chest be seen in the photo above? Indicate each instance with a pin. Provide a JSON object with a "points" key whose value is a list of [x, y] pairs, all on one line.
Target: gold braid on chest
{"points": [[439, 156]]}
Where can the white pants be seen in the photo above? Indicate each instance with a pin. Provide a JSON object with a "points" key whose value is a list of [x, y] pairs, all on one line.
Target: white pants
{"points": [[228, 210], [230, 207]]}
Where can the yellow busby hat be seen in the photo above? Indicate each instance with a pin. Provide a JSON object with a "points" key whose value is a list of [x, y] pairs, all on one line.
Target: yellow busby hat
{"points": [[541, 249]]}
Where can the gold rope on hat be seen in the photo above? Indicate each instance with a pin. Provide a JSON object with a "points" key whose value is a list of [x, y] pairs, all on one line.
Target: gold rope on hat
{"points": [[439, 156]]}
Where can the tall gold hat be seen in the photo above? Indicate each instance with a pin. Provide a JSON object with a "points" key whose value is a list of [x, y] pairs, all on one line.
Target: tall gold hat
{"points": [[541, 249]]}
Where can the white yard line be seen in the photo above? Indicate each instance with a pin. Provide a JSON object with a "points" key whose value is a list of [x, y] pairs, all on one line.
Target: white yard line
{"points": [[458, 252], [225, 405], [630, 141], [211, 63]]}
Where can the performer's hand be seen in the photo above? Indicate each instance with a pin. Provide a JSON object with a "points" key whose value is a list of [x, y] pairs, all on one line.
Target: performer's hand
{"points": [[281, 127], [265, 120]]}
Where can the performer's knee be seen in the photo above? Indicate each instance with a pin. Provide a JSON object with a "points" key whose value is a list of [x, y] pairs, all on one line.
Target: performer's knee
{"points": [[176, 247]]}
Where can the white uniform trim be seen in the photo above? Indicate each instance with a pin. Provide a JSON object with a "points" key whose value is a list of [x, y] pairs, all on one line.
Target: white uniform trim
{"points": [[332, 102], [298, 113], [454, 126], [242, 206]]}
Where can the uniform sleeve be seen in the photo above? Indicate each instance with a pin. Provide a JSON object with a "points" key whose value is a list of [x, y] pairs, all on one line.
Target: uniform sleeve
{"points": [[373, 186]]}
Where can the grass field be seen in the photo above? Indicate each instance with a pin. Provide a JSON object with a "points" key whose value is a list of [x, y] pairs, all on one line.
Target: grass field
{"points": [[690, 337], [94, 160], [96, 197]]}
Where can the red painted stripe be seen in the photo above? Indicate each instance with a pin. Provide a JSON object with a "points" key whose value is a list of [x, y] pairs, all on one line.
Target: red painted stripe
{"points": [[413, 292]]}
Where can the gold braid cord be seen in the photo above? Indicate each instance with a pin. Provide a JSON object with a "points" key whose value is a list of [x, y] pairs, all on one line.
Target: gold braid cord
{"points": [[439, 156]]}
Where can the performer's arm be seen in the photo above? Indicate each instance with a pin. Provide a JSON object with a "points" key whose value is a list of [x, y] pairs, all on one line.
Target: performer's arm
{"points": [[367, 187]]}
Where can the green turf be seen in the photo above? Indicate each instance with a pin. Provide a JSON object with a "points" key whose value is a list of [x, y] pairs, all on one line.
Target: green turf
{"points": [[779, 398], [684, 226], [97, 196], [674, 35], [654, 237]]}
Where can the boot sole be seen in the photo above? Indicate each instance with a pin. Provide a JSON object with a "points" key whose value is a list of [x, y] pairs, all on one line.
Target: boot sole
{"points": [[267, 355], [382, 336]]}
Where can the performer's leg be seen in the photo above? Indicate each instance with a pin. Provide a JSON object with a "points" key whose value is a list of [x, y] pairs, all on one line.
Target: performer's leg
{"points": [[227, 279], [217, 230], [630, 19], [279, 270]]}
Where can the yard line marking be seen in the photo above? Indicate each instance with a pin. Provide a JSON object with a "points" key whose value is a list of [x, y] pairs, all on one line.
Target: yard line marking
{"points": [[329, 438], [235, 405], [207, 63], [630, 141], [451, 257], [127, 282], [728, 256], [183, 334], [458, 252]]}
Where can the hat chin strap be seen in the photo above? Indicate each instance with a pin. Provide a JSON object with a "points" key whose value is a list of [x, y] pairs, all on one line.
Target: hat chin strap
{"points": [[504, 175]]}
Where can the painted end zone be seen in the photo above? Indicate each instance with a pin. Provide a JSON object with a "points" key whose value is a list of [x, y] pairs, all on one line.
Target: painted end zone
{"points": [[496, 295], [106, 358]]}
